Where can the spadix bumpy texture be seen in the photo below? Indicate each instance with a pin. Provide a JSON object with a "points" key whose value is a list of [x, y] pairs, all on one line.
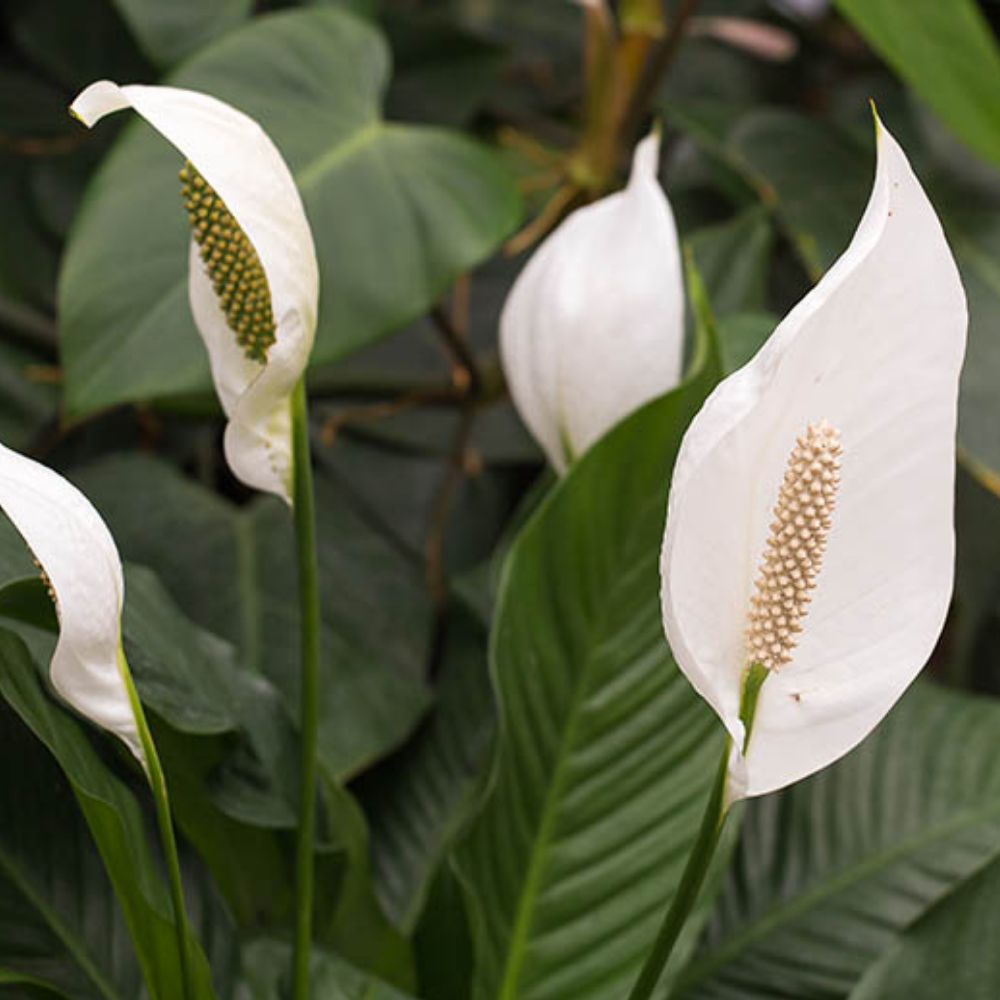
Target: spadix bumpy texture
{"points": [[874, 350], [233, 266], [793, 556], [594, 325], [79, 563], [235, 172]]}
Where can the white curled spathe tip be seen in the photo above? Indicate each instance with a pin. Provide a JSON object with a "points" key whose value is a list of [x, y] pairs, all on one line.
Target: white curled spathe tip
{"points": [[243, 166]]}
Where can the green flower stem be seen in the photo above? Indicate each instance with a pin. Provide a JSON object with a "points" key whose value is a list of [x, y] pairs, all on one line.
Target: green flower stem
{"points": [[704, 846], [305, 540], [687, 891], [165, 823]]}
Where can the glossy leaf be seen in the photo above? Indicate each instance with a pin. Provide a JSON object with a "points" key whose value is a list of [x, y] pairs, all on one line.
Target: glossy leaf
{"points": [[369, 188], [59, 920], [605, 755], [167, 33], [330, 977], [419, 800], [837, 866], [375, 633], [734, 258], [741, 336], [30, 986], [116, 825], [948, 952], [947, 53]]}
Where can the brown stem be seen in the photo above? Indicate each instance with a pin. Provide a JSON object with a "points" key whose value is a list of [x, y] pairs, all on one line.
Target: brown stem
{"points": [[332, 426], [461, 461], [465, 371], [558, 205], [41, 146], [659, 64]]}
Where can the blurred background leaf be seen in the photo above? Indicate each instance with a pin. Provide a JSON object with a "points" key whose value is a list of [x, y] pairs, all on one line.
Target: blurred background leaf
{"points": [[947, 53]]}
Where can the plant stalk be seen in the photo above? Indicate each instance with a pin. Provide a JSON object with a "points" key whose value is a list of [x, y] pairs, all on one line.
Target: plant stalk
{"points": [[701, 855], [165, 824], [690, 884], [305, 543]]}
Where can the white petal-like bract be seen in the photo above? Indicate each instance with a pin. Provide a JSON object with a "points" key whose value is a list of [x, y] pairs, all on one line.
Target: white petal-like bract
{"points": [[236, 157], [79, 560], [594, 325], [876, 350]]}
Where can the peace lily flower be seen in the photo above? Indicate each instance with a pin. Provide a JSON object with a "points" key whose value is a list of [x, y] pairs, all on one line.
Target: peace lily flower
{"points": [[594, 325], [253, 279], [809, 547], [80, 565]]}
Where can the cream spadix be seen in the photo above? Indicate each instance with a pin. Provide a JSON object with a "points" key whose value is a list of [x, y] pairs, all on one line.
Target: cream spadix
{"points": [[830, 589], [253, 280], [594, 325], [80, 564]]}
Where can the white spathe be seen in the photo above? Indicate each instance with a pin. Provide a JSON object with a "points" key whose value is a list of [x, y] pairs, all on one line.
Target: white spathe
{"points": [[876, 349], [594, 325], [237, 158], [77, 554]]}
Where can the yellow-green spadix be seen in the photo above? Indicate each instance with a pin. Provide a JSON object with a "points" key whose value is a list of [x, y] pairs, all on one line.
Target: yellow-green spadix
{"points": [[253, 281], [80, 564], [810, 522]]}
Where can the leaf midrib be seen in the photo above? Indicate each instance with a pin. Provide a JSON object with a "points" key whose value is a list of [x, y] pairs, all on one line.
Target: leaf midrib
{"points": [[525, 911], [58, 928], [778, 914], [349, 146], [532, 882]]}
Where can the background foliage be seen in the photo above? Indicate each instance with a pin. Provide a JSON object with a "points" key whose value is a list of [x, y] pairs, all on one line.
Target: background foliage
{"points": [[503, 836]]}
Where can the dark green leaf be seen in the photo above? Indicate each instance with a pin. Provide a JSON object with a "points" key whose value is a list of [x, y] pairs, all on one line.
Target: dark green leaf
{"points": [[28, 260], [419, 799], [831, 870], [28, 986], [331, 978], [974, 659], [59, 920], [117, 827], [75, 43], [167, 33], [232, 570], [948, 952], [27, 403], [742, 335], [734, 258], [605, 753]]}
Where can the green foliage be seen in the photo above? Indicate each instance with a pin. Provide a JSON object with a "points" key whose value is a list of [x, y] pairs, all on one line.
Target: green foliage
{"points": [[375, 634], [946, 951], [512, 765], [602, 742], [166, 33], [837, 866], [116, 824], [947, 54]]}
